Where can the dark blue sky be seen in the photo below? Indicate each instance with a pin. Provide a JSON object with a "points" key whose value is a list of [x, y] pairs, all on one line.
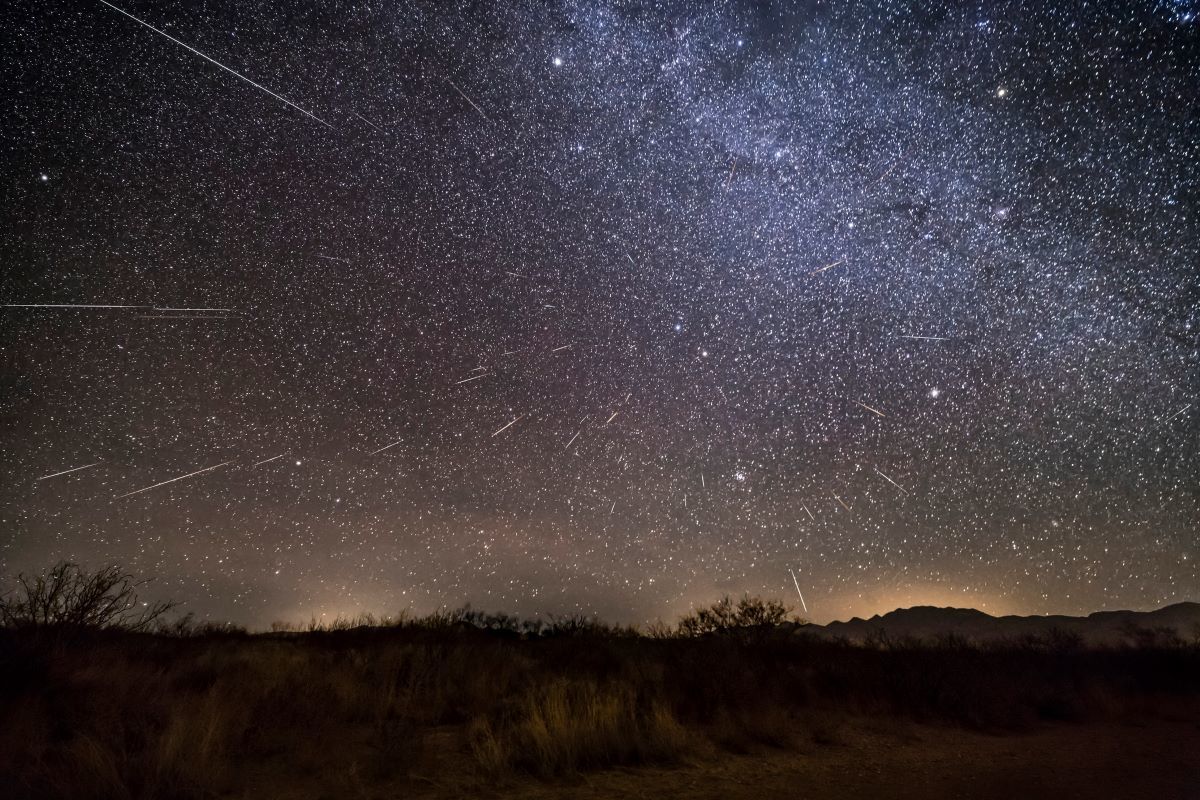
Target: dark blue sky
{"points": [[604, 307]]}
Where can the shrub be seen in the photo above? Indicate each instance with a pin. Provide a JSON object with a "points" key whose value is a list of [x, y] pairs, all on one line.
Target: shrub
{"points": [[69, 596], [725, 616]]}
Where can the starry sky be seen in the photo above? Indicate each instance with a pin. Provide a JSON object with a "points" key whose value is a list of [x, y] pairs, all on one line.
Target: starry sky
{"points": [[603, 307]]}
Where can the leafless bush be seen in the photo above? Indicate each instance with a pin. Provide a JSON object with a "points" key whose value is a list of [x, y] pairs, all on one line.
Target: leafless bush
{"points": [[726, 616], [68, 596]]}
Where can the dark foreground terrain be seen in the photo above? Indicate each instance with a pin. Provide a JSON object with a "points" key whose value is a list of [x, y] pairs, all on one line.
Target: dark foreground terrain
{"points": [[469, 705]]}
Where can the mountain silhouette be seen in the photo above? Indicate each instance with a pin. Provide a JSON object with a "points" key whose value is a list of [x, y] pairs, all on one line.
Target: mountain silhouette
{"points": [[1101, 627]]}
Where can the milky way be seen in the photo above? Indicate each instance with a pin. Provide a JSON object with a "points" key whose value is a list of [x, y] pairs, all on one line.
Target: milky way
{"points": [[604, 307]]}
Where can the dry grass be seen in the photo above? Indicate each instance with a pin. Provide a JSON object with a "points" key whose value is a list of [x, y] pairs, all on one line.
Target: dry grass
{"points": [[570, 725], [132, 716]]}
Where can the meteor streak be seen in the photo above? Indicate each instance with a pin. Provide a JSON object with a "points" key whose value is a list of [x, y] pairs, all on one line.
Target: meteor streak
{"points": [[930, 338], [828, 266], [474, 105], [509, 425], [895, 164], [472, 378], [1176, 414], [889, 480], [212, 60], [67, 471], [63, 305], [385, 447], [795, 581], [268, 460], [364, 119], [872, 410], [172, 480], [573, 438]]}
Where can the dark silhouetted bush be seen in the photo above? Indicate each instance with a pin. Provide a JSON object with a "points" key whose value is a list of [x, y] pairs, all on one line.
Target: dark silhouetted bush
{"points": [[68, 596]]}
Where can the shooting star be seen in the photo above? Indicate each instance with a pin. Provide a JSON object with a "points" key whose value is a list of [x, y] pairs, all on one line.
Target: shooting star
{"points": [[509, 425], [474, 105], [840, 502], [67, 471], [385, 447], [472, 378], [332, 258], [631, 261], [810, 514], [872, 410], [895, 164], [702, 484], [610, 419], [827, 266], [564, 347], [214, 310], [235, 73], [797, 582], [64, 305], [364, 119], [930, 338], [268, 460], [1176, 414], [889, 480], [573, 438], [172, 480]]}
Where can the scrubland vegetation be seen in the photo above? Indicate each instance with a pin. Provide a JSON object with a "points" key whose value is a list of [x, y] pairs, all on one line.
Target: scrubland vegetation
{"points": [[375, 708]]}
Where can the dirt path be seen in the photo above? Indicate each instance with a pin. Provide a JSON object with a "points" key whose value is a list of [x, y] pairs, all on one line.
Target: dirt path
{"points": [[1063, 762], [869, 759]]}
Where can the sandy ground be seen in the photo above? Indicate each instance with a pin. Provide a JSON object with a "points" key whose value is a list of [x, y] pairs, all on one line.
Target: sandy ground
{"points": [[1161, 761], [867, 759]]}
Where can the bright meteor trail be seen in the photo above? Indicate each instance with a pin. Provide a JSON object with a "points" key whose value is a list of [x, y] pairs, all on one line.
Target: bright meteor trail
{"points": [[212, 60], [803, 604], [172, 480], [68, 471]]}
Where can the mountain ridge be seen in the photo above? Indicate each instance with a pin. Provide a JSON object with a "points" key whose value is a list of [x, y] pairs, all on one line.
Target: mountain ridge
{"points": [[1098, 627]]}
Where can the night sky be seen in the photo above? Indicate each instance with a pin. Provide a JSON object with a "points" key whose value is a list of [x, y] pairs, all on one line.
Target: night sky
{"points": [[603, 307]]}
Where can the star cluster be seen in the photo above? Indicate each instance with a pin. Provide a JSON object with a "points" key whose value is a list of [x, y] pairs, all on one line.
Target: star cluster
{"points": [[604, 307]]}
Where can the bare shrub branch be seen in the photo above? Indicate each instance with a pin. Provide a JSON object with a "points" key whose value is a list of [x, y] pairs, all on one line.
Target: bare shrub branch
{"points": [[69, 596]]}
